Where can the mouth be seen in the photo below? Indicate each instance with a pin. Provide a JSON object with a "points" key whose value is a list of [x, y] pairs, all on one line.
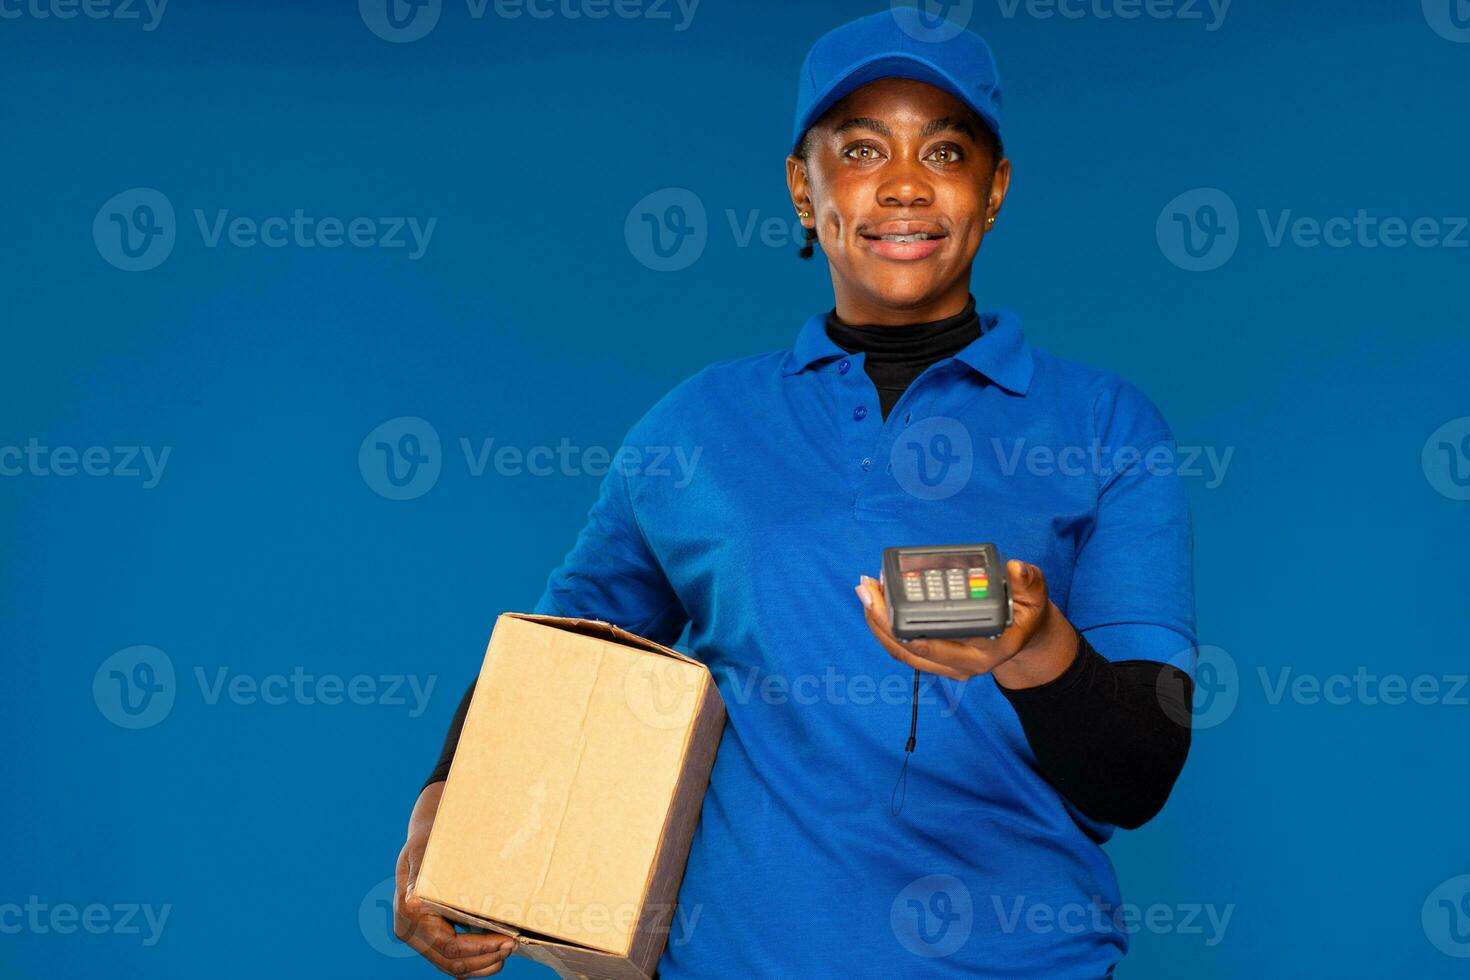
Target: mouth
{"points": [[903, 241]]}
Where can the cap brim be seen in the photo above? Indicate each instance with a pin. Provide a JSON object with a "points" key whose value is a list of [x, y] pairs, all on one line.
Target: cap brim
{"points": [[894, 65]]}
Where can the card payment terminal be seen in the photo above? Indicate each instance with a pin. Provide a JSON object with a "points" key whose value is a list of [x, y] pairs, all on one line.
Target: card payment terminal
{"points": [[946, 591]]}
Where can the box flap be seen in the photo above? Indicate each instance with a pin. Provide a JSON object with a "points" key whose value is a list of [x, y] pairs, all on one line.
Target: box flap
{"points": [[603, 629], [568, 960]]}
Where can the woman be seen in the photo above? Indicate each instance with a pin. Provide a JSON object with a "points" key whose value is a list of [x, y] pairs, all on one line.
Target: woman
{"points": [[874, 430]]}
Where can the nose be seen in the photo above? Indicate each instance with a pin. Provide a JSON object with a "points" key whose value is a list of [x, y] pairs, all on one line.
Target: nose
{"points": [[905, 185]]}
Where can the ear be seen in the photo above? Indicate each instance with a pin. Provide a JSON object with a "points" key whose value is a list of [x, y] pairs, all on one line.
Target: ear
{"points": [[796, 183], [1000, 183]]}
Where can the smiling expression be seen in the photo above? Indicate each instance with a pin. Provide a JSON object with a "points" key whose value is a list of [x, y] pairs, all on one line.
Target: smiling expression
{"points": [[900, 179]]}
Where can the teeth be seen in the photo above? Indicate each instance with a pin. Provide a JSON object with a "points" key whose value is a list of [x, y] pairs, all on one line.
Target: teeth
{"points": [[919, 237]]}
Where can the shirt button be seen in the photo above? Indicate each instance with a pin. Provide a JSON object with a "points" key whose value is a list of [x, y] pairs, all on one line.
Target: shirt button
{"points": [[844, 367], [867, 463], [860, 413]]}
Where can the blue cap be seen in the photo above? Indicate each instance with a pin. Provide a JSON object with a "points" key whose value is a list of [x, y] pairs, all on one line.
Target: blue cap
{"points": [[898, 43]]}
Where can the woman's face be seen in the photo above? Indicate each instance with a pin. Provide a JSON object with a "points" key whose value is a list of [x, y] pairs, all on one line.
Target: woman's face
{"points": [[894, 160]]}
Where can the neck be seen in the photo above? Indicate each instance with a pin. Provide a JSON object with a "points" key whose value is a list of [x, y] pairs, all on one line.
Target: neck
{"points": [[895, 355], [862, 307]]}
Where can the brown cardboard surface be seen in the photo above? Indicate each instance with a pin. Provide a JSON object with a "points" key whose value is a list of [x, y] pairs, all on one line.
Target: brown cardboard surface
{"points": [[574, 793]]}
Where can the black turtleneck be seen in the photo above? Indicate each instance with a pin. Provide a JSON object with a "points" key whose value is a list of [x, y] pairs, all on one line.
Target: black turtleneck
{"points": [[895, 355], [1111, 736]]}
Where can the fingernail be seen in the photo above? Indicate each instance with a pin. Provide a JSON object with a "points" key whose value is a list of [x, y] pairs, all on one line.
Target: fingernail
{"points": [[862, 591]]}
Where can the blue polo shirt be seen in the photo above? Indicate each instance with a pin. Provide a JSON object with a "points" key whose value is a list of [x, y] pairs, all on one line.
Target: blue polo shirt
{"points": [[744, 505]]}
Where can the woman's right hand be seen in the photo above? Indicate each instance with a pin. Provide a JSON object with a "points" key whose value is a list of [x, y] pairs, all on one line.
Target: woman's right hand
{"points": [[459, 954]]}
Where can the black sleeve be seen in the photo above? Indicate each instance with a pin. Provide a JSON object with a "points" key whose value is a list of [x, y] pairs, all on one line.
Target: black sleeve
{"points": [[1110, 736], [451, 740]]}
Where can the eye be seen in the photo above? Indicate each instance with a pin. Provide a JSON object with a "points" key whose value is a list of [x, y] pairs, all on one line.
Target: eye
{"points": [[947, 153], [861, 151]]}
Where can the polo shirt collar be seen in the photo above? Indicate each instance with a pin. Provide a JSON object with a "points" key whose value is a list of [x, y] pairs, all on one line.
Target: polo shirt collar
{"points": [[812, 346], [1000, 353]]}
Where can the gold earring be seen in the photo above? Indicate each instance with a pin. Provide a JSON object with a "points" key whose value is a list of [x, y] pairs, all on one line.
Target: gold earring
{"points": [[804, 214], [990, 221]]}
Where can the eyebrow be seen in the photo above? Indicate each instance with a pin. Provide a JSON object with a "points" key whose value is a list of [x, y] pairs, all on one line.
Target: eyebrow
{"points": [[931, 127]]}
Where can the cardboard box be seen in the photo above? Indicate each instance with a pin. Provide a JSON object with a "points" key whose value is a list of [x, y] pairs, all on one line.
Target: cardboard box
{"points": [[574, 794]]}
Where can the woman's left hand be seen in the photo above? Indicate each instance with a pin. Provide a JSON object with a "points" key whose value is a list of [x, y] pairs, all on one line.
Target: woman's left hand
{"points": [[1038, 647]]}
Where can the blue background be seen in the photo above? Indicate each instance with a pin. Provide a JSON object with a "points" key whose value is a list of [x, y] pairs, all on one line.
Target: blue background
{"points": [[529, 318]]}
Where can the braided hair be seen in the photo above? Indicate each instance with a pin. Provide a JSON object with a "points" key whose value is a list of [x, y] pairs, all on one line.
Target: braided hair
{"points": [[809, 245]]}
